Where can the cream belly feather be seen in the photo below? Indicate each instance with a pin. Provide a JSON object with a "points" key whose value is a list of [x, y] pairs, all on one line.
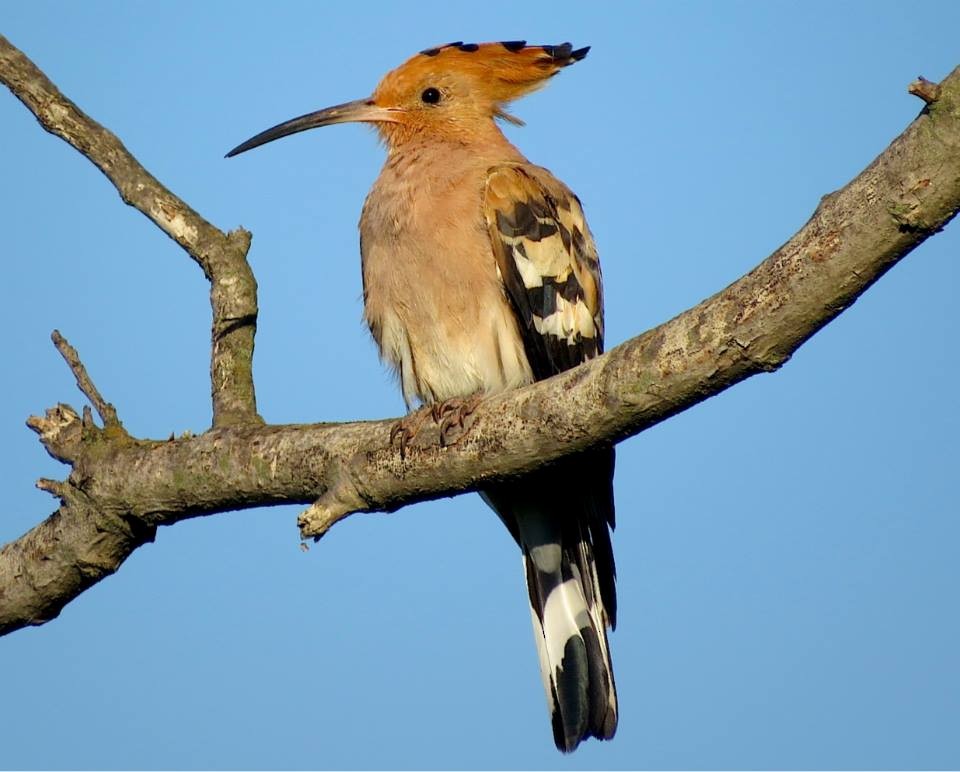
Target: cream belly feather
{"points": [[444, 325]]}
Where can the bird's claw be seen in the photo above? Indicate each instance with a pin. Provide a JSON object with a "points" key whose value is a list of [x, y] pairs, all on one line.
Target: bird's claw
{"points": [[455, 417], [408, 427]]}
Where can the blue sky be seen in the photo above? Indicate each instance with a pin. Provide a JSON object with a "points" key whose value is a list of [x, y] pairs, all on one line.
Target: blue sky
{"points": [[786, 551]]}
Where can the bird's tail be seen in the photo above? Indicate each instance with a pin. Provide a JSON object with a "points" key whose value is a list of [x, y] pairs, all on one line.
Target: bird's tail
{"points": [[560, 518]]}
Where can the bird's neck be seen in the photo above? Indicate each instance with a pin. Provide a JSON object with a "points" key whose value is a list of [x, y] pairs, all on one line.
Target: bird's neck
{"points": [[484, 141], [421, 175]]}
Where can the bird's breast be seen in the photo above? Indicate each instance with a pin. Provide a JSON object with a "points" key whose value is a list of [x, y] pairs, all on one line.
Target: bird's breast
{"points": [[432, 295]]}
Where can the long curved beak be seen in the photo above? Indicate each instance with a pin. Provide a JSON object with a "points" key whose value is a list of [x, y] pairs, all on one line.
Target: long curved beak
{"points": [[361, 110]]}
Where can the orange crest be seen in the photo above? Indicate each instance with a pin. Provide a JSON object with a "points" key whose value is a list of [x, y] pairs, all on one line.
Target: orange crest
{"points": [[492, 72]]}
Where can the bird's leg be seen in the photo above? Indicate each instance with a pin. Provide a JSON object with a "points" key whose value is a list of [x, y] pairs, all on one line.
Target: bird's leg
{"points": [[453, 415], [409, 426]]}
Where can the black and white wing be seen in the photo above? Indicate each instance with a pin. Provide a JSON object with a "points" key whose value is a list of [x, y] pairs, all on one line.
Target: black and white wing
{"points": [[560, 515]]}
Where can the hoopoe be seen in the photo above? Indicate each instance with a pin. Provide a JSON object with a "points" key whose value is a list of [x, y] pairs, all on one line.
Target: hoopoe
{"points": [[479, 275]]}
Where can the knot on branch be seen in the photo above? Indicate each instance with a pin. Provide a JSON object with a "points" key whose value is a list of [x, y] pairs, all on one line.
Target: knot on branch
{"points": [[61, 432], [927, 90], [239, 239], [766, 362], [341, 499], [908, 213]]}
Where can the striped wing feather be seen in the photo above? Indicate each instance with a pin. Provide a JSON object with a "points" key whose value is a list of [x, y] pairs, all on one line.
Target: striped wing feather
{"points": [[560, 515], [548, 264]]}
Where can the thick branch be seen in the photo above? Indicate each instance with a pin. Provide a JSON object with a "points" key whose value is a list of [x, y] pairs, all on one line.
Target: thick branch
{"points": [[233, 289], [856, 234]]}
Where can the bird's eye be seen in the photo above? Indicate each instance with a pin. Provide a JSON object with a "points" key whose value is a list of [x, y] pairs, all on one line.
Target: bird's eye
{"points": [[431, 95]]}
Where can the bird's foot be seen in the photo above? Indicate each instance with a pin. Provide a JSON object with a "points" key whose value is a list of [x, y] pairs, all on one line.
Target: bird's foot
{"points": [[455, 417], [408, 427]]}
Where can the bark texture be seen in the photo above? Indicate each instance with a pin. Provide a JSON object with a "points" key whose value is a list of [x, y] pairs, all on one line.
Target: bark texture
{"points": [[121, 488]]}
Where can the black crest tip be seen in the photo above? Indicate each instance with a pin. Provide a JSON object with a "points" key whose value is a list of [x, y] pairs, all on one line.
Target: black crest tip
{"points": [[564, 54], [561, 51]]}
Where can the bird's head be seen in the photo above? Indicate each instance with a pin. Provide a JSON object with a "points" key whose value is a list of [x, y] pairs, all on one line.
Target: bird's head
{"points": [[449, 92]]}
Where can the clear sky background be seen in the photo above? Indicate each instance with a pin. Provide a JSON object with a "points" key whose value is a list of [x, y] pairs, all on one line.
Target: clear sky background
{"points": [[787, 551]]}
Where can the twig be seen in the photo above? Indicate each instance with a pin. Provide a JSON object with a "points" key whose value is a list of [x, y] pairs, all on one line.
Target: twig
{"points": [[106, 411], [55, 487]]}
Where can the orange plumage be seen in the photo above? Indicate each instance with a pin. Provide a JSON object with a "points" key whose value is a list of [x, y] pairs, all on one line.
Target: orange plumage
{"points": [[482, 77]]}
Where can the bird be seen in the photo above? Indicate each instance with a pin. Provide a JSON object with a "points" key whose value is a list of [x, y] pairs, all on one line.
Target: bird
{"points": [[480, 275]]}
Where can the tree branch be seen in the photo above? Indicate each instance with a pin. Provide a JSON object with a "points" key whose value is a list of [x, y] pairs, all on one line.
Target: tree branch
{"points": [[120, 489], [106, 411], [223, 257]]}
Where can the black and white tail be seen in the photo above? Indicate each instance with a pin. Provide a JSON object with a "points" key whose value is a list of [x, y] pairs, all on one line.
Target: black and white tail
{"points": [[560, 518]]}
